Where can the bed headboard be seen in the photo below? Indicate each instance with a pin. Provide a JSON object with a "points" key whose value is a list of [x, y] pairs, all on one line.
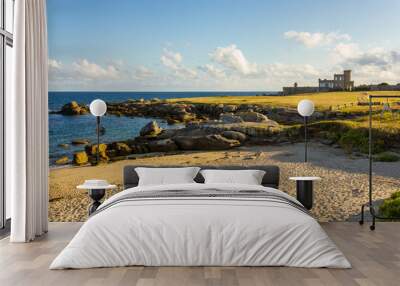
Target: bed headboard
{"points": [[271, 178]]}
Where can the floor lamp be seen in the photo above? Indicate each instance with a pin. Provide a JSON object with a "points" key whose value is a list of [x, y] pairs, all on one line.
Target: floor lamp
{"points": [[369, 204], [305, 109], [98, 108]]}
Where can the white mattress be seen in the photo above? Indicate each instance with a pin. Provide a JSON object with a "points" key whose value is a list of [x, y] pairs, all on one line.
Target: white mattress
{"points": [[202, 232]]}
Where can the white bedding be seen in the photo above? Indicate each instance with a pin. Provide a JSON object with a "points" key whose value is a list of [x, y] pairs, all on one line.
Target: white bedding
{"points": [[200, 231]]}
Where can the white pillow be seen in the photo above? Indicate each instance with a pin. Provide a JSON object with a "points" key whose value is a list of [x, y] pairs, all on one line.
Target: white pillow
{"points": [[166, 176], [248, 177]]}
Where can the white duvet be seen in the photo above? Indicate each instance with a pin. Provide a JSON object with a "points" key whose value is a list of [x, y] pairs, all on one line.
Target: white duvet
{"points": [[200, 231]]}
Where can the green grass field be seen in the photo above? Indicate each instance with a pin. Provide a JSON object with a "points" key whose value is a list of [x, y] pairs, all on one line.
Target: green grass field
{"points": [[322, 101]]}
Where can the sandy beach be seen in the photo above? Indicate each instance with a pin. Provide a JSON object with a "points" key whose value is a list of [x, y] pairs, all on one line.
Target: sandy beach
{"points": [[343, 188]]}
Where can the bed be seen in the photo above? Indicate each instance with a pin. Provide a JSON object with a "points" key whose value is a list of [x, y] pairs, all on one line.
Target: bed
{"points": [[197, 224]]}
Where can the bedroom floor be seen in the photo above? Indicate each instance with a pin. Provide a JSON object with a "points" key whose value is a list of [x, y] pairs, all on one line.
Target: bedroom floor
{"points": [[375, 257]]}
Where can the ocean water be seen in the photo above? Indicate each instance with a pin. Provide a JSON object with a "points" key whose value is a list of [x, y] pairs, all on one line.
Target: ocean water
{"points": [[64, 129]]}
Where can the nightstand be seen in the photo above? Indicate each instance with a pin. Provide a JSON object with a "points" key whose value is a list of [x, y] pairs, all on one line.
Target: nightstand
{"points": [[96, 190], [304, 190]]}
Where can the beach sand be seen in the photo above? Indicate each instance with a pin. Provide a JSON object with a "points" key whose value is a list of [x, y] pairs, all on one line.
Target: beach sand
{"points": [[339, 195]]}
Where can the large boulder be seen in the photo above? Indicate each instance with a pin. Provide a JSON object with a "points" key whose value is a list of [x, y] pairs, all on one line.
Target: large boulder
{"points": [[229, 108], [230, 118], [251, 116], [234, 135], [73, 108], [209, 142], [92, 151], [120, 148], [165, 145], [151, 129], [80, 158]]}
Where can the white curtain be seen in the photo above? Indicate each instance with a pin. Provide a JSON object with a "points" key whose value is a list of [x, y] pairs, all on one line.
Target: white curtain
{"points": [[27, 124]]}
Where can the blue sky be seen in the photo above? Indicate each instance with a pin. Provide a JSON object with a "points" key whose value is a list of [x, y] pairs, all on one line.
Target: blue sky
{"points": [[219, 45]]}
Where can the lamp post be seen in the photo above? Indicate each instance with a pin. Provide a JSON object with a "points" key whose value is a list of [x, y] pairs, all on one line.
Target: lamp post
{"points": [[305, 109], [98, 108]]}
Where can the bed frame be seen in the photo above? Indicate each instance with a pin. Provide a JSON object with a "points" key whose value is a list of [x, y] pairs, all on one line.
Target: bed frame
{"points": [[271, 177]]}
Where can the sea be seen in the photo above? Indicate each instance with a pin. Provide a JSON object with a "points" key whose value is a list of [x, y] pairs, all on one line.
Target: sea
{"points": [[64, 129]]}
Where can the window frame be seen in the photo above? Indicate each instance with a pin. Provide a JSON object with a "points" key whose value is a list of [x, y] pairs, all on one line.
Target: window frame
{"points": [[6, 39]]}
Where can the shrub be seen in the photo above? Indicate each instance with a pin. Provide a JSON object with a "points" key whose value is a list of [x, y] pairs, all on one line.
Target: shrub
{"points": [[357, 140], [391, 206], [353, 139]]}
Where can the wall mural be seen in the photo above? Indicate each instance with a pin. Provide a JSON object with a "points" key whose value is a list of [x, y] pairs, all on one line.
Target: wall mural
{"points": [[181, 124]]}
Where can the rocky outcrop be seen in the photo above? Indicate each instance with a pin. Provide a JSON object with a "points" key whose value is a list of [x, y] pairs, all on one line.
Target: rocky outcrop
{"points": [[80, 142], [63, 145], [234, 135], [209, 142], [91, 150], [74, 108], [251, 116], [80, 158], [119, 148], [164, 145], [180, 112], [62, 161], [151, 129], [230, 118]]}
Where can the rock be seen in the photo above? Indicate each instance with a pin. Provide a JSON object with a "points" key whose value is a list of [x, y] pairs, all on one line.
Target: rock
{"points": [[80, 158], [73, 108], [172, 121], [62, 161], [234, 135], [209, 142], [92, 151], [120, 148], [150, 129], [185, 117], [167, 133], [80, 142], [63, 145], [140, 148], [229, 108], [230, 118], [249, 116], [166, 145]]}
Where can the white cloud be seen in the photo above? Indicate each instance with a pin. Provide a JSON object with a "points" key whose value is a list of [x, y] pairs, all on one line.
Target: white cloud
{"points": [[94, 71], [370, 65], [170, 59], [233, 58], [312, 40], [279, 74], [143, 72], [173, 61], [54, 64], [213, 71], [346, 51]]}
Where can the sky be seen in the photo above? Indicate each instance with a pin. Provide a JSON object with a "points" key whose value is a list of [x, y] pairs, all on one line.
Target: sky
{"points": [[219, 45]]}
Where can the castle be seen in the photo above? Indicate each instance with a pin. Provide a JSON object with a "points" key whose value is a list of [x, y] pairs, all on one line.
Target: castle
{"points": [[339, 82]]}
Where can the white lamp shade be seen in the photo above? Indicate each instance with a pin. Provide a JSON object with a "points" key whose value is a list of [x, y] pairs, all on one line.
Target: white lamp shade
{"points": [[98, 107], [305, 107]]}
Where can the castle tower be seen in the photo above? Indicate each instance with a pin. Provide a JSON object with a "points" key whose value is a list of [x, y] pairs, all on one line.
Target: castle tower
{"points": [[347, 76], [347, 83]]}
